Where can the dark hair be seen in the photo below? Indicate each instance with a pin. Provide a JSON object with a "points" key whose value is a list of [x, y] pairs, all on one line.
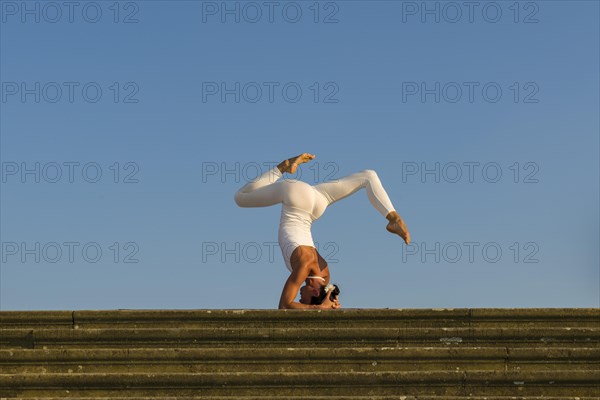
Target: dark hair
{"points": [[319, 299]]}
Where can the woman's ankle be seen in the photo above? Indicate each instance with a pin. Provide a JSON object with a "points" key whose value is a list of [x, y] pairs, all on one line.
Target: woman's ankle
{"points": [[392, 216], [283, 166]]}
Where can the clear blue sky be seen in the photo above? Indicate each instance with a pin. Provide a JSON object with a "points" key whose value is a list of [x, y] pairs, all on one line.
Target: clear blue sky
{"points": [[180, 104]]}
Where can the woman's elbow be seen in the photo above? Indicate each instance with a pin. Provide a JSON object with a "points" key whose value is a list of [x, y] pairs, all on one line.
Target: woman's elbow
{"points": [[284, 305]]}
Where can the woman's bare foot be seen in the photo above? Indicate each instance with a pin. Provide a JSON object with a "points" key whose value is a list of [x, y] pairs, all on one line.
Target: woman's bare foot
{"points": [[291, 164], [397, 226]]}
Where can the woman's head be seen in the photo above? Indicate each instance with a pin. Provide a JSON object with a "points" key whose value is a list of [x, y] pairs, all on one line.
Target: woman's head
{"points": [[307, 292], [311, 295]]}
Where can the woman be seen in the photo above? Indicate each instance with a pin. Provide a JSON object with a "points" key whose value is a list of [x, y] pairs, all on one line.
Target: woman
{"points": [[302, 204]]}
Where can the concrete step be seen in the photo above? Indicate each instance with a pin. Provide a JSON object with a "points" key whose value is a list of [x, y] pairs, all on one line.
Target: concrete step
{"points": [[390, 318], [458, 383], [422, 354], [334, 397], [318, 337], [296, 359], [316, 397]]}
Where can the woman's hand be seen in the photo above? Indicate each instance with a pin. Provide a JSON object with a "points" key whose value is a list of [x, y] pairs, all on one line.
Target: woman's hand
{"points": [[328, 304]]}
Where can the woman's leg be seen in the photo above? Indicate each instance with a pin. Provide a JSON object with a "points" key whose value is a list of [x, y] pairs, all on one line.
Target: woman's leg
{"points": [[265, 191], [368, 179], [344, 187]]}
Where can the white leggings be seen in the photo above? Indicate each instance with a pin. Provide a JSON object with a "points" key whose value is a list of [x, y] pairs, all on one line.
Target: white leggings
{"points": [[302, 203]]}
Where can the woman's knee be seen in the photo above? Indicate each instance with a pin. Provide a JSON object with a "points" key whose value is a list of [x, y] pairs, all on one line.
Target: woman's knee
{"points": [[239, 199], [370, 174]]}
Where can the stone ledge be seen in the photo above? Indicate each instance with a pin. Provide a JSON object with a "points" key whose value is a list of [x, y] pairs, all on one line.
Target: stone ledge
{"points": [[155, 315]]}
